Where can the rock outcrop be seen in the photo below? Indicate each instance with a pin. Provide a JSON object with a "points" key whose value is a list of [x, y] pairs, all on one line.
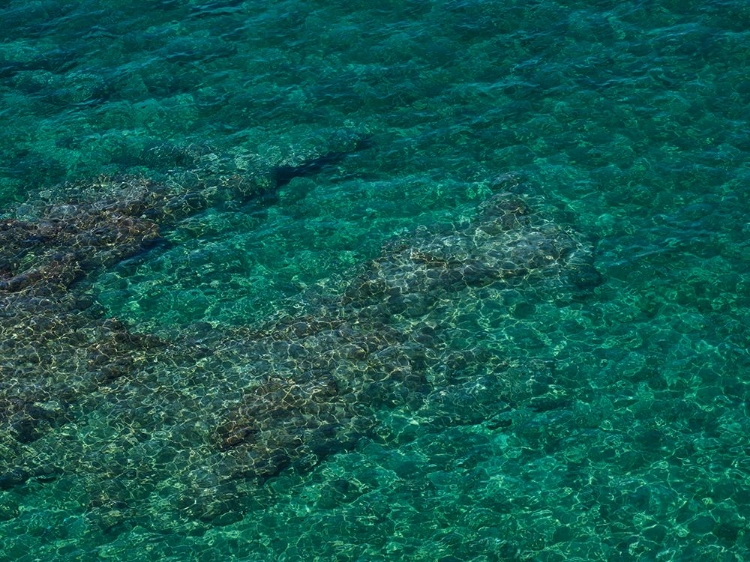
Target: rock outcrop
{"points": [[204, 418]]}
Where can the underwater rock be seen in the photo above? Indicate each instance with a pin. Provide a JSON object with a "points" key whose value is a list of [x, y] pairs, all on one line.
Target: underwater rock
{"points": [[505, 243], [99, 223], [58, 357], [205, 421], [320, 395], [331, 373]]}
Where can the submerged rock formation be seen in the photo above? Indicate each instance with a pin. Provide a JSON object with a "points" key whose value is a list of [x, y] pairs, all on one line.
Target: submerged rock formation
{"points": [[132, 419], [504, 243]]}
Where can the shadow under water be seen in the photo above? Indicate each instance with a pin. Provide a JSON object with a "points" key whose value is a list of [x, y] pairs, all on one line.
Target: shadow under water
{"points": [[164, 433]]}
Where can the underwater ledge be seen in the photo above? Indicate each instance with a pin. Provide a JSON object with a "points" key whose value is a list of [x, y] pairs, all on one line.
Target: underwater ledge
{"points": [[151, 431]]}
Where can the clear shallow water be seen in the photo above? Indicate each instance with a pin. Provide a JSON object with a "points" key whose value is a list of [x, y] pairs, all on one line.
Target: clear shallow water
{"points": [[608, 425]]}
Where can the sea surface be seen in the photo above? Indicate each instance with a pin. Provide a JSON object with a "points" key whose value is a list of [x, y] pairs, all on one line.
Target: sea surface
{"points": [[540, 421]]}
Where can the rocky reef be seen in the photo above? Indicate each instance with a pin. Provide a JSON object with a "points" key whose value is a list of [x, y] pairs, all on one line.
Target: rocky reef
{"points": [[141, 428]]}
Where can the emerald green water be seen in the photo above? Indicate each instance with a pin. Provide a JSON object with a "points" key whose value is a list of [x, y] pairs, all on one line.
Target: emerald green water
{"points": [[606, 424]]}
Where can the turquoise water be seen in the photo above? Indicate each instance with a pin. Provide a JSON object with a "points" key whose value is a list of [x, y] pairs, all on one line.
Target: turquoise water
{"points": [[257, 398]]}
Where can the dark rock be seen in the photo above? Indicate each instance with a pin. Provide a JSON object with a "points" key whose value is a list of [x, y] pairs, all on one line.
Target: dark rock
{"points": [[243, 404], [12, 478]]}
